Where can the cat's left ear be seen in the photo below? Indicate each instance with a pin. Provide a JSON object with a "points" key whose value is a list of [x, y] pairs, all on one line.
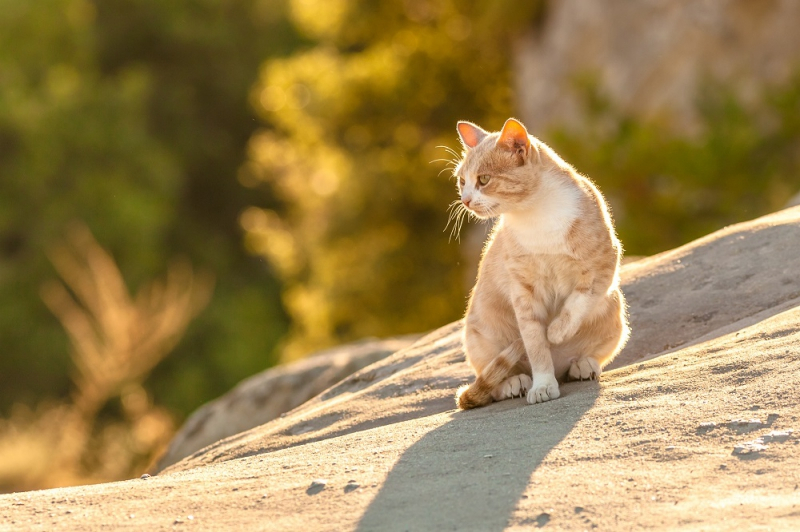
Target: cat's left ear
{"points": [[471, 135], [514, 137]]}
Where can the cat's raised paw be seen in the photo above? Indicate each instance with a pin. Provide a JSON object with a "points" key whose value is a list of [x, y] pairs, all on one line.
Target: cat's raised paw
{"points": [[559, 330], [544, 388], [584, 369], [515, 386]]}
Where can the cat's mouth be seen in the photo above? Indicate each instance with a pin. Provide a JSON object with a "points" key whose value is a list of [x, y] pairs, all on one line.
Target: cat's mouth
{"points": [[483, 211]]}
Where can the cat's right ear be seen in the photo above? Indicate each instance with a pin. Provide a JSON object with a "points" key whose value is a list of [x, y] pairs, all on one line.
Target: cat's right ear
{"points": [[471, 135]]}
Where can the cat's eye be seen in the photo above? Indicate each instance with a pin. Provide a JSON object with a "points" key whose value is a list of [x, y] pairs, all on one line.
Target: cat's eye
{"points": [[462, 182], [483, 179]]}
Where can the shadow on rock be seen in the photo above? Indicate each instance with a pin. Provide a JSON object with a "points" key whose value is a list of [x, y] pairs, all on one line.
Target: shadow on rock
{"points": [[471, 472]]}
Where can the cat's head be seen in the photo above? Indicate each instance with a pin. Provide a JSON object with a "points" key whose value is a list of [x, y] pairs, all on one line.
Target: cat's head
{"points": [[496, 174]]}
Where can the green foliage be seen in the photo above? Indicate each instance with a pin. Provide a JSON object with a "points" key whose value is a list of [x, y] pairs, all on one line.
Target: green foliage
{"points": [[63, 131], [358, 118], [132, 117], [667, 189]]}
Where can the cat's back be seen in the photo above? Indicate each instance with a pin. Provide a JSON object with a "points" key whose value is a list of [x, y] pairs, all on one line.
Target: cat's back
{"points": [[592, 236]]}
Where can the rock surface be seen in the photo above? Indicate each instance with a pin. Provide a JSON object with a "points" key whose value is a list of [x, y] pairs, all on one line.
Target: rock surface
{"points": [[701, 435], [709, 287], [267, 395], [735, 277], [651, 58]]}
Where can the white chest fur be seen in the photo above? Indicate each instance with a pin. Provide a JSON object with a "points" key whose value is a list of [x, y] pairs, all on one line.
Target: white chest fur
{"points": [[544, 227]]}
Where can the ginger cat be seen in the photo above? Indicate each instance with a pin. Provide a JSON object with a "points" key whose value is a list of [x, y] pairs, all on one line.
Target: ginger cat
{"points": [[547, 304]]}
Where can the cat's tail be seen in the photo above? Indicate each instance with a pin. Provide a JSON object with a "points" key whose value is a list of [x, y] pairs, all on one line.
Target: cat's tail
{"points": [[479, 393]]}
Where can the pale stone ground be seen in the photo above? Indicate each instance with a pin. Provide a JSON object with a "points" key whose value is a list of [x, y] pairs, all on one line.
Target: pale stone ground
{"points": [[698, 432], [266, 395]]}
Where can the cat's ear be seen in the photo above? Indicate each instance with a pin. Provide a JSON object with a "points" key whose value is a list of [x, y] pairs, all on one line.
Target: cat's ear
{"points": [[514, 137], [471, 135]]}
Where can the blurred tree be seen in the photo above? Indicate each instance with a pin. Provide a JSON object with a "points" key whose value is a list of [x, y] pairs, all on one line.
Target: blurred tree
{"points": [[203, 57], [357, 120], [133, 117]]}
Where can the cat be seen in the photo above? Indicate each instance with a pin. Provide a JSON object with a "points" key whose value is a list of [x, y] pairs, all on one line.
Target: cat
{"points": [[546, 306]]}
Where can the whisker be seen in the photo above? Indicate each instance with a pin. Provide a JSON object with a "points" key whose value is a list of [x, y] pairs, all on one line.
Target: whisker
{"points": [[455, 233], [451, 167], [450, 164], [463, 213], [454, 162], [448, 161], [453, 209], [451, 151], [457, 217]]}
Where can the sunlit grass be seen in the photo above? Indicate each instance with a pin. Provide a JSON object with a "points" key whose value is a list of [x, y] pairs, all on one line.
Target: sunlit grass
{"points": [[116, 341]]}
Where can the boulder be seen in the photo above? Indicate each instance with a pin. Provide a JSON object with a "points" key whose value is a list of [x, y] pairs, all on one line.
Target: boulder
{"points": [[794, 201], [275, 391]]}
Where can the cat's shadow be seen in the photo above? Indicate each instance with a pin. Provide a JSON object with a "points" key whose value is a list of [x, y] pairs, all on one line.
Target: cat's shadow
{"points": [[470, 473]]}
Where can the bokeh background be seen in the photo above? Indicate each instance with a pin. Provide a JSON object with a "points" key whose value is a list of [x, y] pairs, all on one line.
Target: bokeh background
{"points": [[195, 190]]}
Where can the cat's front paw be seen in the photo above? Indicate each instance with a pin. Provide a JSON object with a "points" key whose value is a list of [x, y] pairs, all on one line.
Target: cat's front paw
{"points": [[544, 388], [515, 386], [560, 329]]}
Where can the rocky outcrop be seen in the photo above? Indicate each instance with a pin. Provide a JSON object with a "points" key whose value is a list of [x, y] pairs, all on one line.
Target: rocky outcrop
{"points": [[267, 395], [697, 436], [720, 283], [676, 298], [711, 286], [651, 58]]}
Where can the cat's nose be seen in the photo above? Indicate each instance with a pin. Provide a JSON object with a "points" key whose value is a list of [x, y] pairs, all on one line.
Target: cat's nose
{"points": [[466, 201]]}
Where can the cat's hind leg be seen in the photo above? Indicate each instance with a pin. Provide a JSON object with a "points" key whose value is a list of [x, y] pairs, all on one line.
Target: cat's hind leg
{"points": [[516, 386], [600, 340], [479, 393], [584, 369]]}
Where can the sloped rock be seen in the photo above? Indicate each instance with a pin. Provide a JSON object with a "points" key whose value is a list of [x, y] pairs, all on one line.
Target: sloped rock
{"points": [[414, 382], [620, 454], [726, 281], [267, 395], [716, 284]]}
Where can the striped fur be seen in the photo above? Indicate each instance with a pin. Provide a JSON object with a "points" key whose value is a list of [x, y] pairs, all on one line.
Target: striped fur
{"points": [[479, 393]]}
